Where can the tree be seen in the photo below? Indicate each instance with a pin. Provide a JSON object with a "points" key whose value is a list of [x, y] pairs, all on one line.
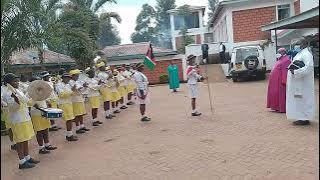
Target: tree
{"points": [[163, 22], [78, 30], [145, 30], [212, 6], [186, 39], [109, 34], [15, 33]]}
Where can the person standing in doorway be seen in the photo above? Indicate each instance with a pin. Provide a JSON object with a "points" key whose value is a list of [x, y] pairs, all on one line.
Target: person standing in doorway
{"points": [[276, 98], [222, 52], [173, 73], [300, 102]]}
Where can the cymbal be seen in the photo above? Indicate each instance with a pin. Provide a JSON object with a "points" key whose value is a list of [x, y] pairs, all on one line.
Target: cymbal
{"points": [[39, 90]]}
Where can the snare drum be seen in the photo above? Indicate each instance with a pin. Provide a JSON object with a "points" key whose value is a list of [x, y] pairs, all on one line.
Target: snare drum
{"points": [[52, 113]]}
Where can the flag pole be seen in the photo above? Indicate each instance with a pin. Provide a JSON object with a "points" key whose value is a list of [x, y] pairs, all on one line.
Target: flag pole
{"points": [[209, 90]]}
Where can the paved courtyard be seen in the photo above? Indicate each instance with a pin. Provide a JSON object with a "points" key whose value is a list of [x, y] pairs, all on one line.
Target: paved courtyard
{"points": [[241, 140]]}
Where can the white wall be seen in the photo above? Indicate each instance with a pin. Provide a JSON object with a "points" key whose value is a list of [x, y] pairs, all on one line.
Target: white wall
{"points": [[191, 32], [269, 52], [306, 5]]}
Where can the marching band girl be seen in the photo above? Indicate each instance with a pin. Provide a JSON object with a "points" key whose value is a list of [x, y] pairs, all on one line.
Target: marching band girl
{"points": [[105, 91], [94, 96], [19, 120], [41, 125], [122, 88], [65, 91], [52, 100], [115, 95], [79, 109]]}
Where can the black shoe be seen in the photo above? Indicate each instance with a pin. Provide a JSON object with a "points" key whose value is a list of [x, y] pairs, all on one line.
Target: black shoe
{"points": [[130, 103], [196, 114], [44, 151], [80, 131], [13, 147], [109, 117], [175, 91], [113, 115], [50, 148], [301, 123], [116, 112], [26, 165], [71, 138], [124, 107], [33, 161], [99, 122], [53, 129], [95, 124], [85, 129], [146, 119]]}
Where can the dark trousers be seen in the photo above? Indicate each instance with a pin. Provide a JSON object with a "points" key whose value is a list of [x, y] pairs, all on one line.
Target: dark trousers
{"points": [[222, 57]]}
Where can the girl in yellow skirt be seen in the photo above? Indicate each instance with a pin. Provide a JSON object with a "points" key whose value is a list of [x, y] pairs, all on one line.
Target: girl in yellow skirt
{"points": [[4, 117], [65, 91], [122, 88], [19, 120], [129, 84], [53, 99], [79, 109], [94, 96], [103, 75], [115, 94], [41, 126]]}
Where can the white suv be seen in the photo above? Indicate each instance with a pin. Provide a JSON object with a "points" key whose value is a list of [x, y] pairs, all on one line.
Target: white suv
{"points": [[247, 61]]}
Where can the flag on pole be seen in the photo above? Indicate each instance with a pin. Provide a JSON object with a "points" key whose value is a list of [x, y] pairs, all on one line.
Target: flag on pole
{"points": [[149, 59]]}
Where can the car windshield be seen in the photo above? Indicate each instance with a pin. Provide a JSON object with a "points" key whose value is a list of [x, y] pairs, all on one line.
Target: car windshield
{"points": [[242, 53]]}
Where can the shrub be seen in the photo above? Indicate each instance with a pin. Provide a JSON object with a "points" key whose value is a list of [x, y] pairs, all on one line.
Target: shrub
{"points": [[164, 78]]}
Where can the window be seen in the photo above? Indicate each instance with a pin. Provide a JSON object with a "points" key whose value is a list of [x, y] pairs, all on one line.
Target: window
{"points": [[243, 53], [189, 21], [208, 37], [283, 11]]}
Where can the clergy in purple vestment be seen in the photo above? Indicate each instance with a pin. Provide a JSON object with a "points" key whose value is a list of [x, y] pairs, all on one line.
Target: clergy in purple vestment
{"points": [[276, 99]]}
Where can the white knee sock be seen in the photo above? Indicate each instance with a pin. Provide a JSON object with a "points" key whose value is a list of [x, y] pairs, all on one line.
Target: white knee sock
{"points": [[22, 161], [69, 133]]}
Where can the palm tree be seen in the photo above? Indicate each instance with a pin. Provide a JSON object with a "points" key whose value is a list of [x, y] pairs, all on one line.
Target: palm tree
{"points": [[14, 32]]}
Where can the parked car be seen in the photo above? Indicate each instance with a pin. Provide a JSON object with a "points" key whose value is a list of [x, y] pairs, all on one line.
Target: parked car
{"points": [[247, 61]]}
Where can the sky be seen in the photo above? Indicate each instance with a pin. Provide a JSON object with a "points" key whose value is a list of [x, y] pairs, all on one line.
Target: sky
{"points": [[129, 10]]}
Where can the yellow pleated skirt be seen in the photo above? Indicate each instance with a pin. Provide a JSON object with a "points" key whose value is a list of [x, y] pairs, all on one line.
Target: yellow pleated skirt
{"points": [[122, 91], [4, 117], [22, 131], [54, 104], [130, 88], [105, 94], [79, 108], [94, 102], [115, 96], [67, 111], [40, 123]]}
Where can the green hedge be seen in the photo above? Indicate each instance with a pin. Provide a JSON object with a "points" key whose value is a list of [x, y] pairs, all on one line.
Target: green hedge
{"points": [[164, 78]]}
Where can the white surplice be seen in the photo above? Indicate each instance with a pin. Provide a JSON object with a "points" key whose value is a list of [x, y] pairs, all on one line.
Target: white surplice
{"points": [[300, 99]]}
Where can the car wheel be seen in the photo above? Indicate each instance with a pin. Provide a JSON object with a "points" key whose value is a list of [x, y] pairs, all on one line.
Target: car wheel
{"points": [[235, 79]]}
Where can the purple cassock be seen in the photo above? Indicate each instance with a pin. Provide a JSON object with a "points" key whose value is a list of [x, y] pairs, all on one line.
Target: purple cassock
{"points": [[276, 99]]}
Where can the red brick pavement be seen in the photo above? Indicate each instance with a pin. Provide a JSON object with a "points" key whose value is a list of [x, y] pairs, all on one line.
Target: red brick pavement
{"points": [[241, 140]]}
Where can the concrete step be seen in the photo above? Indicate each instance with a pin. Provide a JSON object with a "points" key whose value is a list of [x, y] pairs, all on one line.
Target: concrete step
{"points": [[214, 72]]}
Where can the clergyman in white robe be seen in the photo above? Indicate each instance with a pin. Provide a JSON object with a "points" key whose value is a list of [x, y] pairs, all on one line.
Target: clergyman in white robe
{"points": [[300, 100]]}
